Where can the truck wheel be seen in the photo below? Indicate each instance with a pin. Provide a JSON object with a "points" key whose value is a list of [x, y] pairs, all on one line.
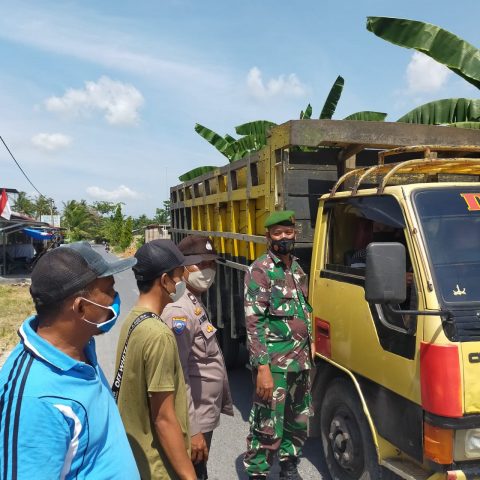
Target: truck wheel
{"points": [[346, 437], [230, 347]]}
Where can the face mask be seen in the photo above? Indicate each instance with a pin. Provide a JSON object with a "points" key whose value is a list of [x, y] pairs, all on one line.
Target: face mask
{"points": [[180, 288], [201, 280], [282, 247], [114, 308]]}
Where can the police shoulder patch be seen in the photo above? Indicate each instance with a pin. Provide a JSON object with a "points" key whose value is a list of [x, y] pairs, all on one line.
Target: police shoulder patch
{"points": [[179, 324]]}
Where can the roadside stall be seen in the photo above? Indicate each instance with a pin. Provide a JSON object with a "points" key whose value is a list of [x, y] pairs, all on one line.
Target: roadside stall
{"points": [[18, 248]]}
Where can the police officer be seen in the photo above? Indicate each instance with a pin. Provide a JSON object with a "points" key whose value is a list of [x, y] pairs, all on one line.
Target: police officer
{"points": [[279, 342], [202, 361]]}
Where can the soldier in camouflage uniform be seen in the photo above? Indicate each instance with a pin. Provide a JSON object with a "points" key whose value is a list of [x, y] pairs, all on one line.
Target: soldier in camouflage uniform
{"points": [[277, 317]]}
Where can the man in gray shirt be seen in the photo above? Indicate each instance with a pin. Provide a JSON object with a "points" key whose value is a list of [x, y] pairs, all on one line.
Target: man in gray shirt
{"points": [[206, 378]]}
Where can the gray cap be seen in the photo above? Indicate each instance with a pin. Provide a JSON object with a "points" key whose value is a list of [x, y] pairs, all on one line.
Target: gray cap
{"points": [[68, 269], [98, 263]]}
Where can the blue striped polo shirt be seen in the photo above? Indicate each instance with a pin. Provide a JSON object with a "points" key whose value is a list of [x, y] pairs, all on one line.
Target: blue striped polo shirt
{"points": [[58, 419]]}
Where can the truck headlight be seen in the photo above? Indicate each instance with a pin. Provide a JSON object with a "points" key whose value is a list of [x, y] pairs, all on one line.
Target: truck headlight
{"points": [[467, 444]]}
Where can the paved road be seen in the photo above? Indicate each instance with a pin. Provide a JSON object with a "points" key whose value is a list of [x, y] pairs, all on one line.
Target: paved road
{"points": [[107, 344], [229, 439]]}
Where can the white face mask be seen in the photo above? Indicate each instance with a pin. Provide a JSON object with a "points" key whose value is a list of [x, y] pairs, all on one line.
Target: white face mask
{"points": [[201, 280], [180, 288]]}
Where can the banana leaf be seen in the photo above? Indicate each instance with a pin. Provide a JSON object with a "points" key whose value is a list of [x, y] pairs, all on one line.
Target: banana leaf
{"points": [[471, 125], [446, 48], [367, 116], [257, 130], [220, 143], [307, 114], [332, 100], [446, 111], [229, 138], [196, 172], [245, 145]]}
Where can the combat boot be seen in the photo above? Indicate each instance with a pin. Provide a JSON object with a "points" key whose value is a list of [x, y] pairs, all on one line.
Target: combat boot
{"points": [[288, 469]]}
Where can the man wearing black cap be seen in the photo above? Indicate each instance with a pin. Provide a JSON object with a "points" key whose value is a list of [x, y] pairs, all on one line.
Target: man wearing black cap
{"points": [[58, 418], [149, 383], [208, 393]]}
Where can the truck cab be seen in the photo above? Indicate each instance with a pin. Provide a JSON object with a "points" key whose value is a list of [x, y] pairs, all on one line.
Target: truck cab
{"points": [[395, 293]]}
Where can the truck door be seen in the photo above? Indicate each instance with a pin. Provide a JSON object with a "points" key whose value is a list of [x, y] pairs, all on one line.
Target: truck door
{"points": [[380, 349]]}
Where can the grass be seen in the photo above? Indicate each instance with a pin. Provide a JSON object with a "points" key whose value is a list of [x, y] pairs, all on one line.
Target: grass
{"points": [[15, 305]]}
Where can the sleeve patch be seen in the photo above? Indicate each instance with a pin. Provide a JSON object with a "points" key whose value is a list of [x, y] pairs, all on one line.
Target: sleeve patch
{"points": [[179, 324]]}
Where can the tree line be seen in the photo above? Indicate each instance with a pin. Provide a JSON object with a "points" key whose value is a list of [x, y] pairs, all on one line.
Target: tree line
{"points": [[99, 221]]}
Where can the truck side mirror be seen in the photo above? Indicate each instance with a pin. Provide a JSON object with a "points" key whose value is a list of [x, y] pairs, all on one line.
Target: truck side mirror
{"points": [[385, 274]]}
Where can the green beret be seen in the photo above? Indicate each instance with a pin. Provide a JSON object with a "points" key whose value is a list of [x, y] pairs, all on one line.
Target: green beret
{"points": [[283, 217]]}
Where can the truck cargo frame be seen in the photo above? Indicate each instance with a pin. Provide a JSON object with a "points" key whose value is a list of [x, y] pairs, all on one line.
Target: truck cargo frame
{"points": [[302, 161]]}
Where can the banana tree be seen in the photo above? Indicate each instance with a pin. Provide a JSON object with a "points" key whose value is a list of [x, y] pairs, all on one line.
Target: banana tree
{"points": [[367, 116], [196, 172], [307, 114], [446, 48], [445, 111], [331, 103], [222, 144], [443, 46], [253, 135], [256, 132], [333, 97]]}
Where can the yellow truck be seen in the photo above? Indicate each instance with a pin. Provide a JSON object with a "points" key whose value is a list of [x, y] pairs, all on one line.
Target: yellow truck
{"points": [[388, 219]]}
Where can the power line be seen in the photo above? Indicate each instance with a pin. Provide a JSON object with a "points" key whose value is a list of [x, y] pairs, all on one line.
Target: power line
{"points": [[21, 169]]}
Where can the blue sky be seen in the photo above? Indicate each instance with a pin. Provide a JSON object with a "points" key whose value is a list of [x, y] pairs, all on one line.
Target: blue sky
{"points": [[99, 99]]}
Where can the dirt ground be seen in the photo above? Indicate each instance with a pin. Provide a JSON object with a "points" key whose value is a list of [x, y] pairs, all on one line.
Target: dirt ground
{"points": [[15, 305]]}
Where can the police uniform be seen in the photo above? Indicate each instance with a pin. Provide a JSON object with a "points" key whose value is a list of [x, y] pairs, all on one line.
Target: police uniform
{"points": [[277, 317], [206, 378]]}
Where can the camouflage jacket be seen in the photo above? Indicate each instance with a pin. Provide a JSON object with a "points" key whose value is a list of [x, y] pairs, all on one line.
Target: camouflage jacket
{"points": [[277, 314]]}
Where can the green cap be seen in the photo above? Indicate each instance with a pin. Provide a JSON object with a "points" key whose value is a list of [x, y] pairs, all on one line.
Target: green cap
{"points": [[283, 217]]}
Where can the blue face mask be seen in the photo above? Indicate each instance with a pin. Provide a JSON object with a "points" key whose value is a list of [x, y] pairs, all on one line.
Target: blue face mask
{"points": [[114, 308]]}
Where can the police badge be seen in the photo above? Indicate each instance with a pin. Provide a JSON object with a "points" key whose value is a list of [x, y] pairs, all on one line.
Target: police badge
{"points": [[179, 324]]}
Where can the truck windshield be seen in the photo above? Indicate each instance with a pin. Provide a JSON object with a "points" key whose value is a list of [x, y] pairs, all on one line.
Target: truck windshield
{"points": [[450, 220]]}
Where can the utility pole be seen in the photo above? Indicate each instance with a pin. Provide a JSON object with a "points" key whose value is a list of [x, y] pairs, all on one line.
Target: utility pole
{"points": [[51, 212]]}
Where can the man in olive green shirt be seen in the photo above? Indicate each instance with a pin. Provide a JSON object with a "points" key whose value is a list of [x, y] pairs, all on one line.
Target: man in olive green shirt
{"points": [[149, 383]]}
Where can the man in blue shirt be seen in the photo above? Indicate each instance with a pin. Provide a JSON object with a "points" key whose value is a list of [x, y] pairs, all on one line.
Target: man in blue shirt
{"points": [[58, 419]]}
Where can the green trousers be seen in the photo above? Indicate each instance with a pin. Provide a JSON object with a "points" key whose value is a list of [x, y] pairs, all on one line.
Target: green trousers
{"points": [[279, 425]]}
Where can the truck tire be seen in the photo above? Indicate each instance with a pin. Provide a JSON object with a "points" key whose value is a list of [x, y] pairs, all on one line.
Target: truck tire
{"points": [[230, 347], [347, 442]]}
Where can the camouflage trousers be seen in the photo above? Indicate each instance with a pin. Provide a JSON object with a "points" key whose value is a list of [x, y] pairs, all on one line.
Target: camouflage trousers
{"points": [[279, 425]]}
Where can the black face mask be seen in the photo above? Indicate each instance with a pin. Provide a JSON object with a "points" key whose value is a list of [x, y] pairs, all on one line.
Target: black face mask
{"points": [[282, 247]]}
